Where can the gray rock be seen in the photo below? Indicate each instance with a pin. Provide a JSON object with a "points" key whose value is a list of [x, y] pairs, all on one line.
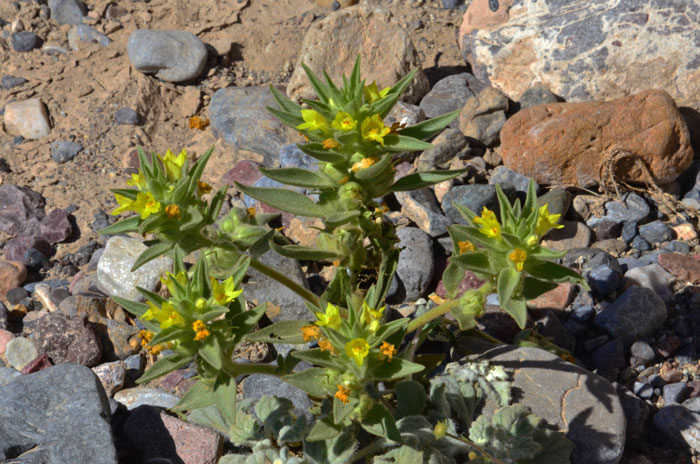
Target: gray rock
{"points": [[64, 150], [656, 232], [641, 353], [636, 411], [680, 425], [416, 262], [483, 117], [60, 413], [127, 116], [638, 243], [20, 351], [132, 398], [290, 156], [537, 95], [446, 146], [609, 359], [260, 288], [474, 197], [258, 385], [636, 314], [83, 34], [652, 276], [67, 339], [7, 375], [421, 207], [25, 41], [238, 116], [67, 11], [643, 390], [582, 313], [692, 405], [607, 47], [112, 376], [114, 268], [9, 82], [629, 231], [174, 56], [450, 94], [675, 392], [603, 280], [404, 113], [572, 235], [632, 208], [507, 178], [575, 400]]}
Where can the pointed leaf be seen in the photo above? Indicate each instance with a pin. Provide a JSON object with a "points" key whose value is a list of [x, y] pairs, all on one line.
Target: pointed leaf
{"points": [[293, 202], [210, 351], [290, 119], [151, 253], [299, 177], [423, 179], [476, 262], [319, 87], [225, 395], [552, 272], [508, 281], [426, 129], [285, 103], [122, 227], [323, 430], [399, 143], [134, 307], [310, 380], [317, 357], [198, 396], [532, 288], [317, 151], [411, 398], [303, 253], [338, 219], [280, 332], [164, 366], [379, 421]]}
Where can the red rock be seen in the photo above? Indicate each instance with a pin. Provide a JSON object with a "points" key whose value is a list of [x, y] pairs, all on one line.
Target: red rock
{"points": [[38, 364], [685, 232], [12, 274], [67, 340], [569, 143], [5, 337], [681, 266], [56, 226], [694, 389], [667, 345], [469, 282], [16, 248], [670, 374], [244, 172], [558, 298]]}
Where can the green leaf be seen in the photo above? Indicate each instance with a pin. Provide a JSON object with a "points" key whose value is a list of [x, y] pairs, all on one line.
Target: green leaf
{"points": [[317, 357], [555, 448], [134, 307], [317, 151], [342, 410], [312, 381], [285, 103], [506, 209], [338, 219], [323, 430], [476, 262], [151, 253], [319, 87], [303, 253], [292, 202], [399, 143], [451, 279], [246, 321], [213, 314], [379, 421], [194, 219], [320, 107], [508, 281], [290, 119], [517, 308], [298, 177], [375, 170], [394, 369], [547, 254], [339, 450], [384, 105], [122, 227], [210, 351], [131, 194], [532, 288], [164, 366], [428, 128], [401, 86], [169, 334], [198, 396], [420, 180], [552, 272], [280, 332], [225, 392], [411, 398]]}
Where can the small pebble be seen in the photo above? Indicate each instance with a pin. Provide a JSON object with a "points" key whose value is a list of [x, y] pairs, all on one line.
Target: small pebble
{"points": [[675, 392], [20, 351], [603, 280], [63, 150], [629, 231], [656, 232], [127, 116], [638, 243], [643, 390], [9, 82], [25, 41]]}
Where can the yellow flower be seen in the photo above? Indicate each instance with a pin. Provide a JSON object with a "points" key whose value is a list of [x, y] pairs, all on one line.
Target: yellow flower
{"points": [[330, 144], [224, 292], [465, 246], [325, 345], [330, 319], [169, 281], [373, 129], [546, 221], [173, 164], [125, 204], [518, 256], [383, 208], [364, 164], [137, 180], [343, 121], [372, 92], [438, 300], [343, 394], [146, 337], [387, 351], [200, 329], [371, 318], [145, 205], [489, 224], [357, 349], [203, 188], [313, 121], [201, 305], [310, 332], [173, 211], [440, 429], [251, 211], [165, 315]]}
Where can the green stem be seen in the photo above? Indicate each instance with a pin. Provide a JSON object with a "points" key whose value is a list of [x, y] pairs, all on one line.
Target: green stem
{"points": [[478, 448], [284, 280], [369, 450], [235, 369], [444, 308]]}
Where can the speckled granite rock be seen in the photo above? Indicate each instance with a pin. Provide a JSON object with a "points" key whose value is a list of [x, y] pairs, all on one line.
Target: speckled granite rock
{"points": [[585, 49]]}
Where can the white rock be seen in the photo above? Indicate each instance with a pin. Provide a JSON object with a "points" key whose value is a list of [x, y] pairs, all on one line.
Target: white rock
{"points": [[27, 118], [653, 277]]}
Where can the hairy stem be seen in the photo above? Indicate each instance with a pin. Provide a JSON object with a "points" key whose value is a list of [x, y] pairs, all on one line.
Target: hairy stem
{"points": [[369, 450]]}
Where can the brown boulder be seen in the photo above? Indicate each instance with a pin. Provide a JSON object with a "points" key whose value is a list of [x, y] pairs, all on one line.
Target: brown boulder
{"points": [[568, 143]]}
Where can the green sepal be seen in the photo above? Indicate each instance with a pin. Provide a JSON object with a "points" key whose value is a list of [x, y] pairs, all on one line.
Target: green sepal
{"points": [[303, 253], [164, 366], [286, 200], [151, 253], [428, 128], [193, 219], [122, 227], [311, 380], [379, 421], [280, 332], [420, 180], [399, 143], [298, 177], [375, 170]]}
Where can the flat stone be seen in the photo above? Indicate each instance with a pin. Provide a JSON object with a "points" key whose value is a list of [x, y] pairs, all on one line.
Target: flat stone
{"points": [[421, 207], [656, 232], [67, 11], [583, 405], [155, 436], [64, 417], [56, 226], [679, 425], [634, 315], [67, 339], [24, 41], [63, 151], [572, 235], [652, 276], [416, 262], [8, 82], [127, 116], [631, 208], [27, 118], [114, 269], [173, 56], [239, 117], [584, 51], [19, 352], [258, 385], [569, 143], [132, 398], [333, 43], [685, 268], [474, 197], [557, 299], [483, 117], [451, 94]]}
